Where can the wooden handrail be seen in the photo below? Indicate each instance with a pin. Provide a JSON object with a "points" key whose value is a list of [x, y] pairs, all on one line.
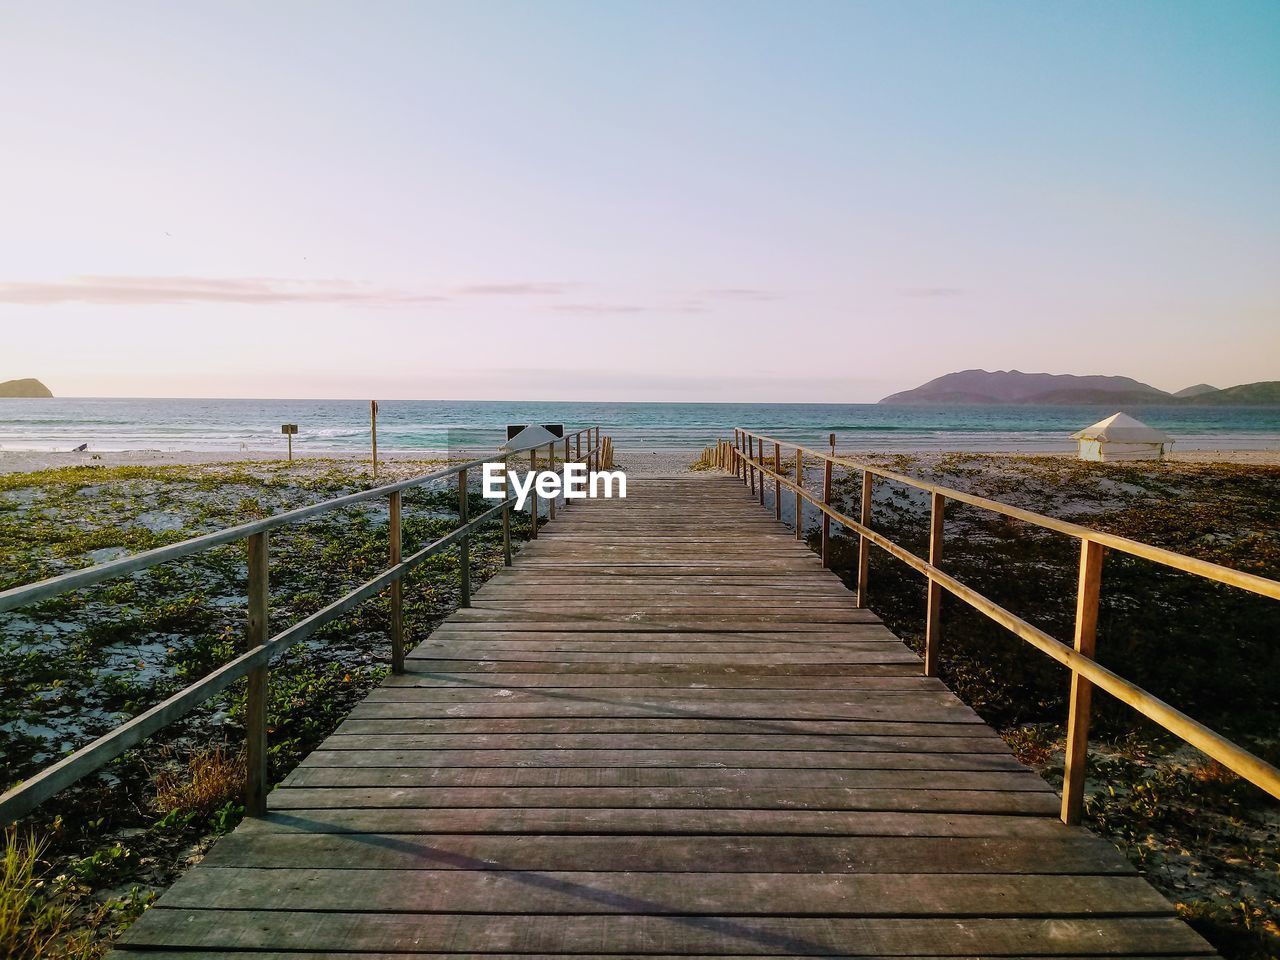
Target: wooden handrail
{"points": [[1203, 568], [1085, 671], [253, 663]]}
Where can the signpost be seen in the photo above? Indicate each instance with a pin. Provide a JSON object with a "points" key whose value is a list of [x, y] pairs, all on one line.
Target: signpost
{"points": [[289, 429]]}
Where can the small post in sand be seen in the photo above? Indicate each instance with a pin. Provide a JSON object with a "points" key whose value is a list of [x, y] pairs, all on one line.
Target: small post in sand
{"points": [[289, 429], [373, 434]]}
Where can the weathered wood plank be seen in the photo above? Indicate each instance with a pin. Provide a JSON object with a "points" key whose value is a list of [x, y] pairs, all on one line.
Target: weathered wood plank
{"points": [[602, 935]]}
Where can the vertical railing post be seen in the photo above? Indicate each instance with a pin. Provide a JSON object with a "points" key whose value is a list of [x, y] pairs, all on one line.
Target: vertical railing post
{"points": [[397, 588], [864, 545], [933, 618], [1088, 590], [533, 497], [551, 465], [777, 484], [464, 545], [761, 463], [751, 461], [255, 726], [506, 513], [565, 490], [577, 446], [799, 484], [826, 517], [737, 455]]}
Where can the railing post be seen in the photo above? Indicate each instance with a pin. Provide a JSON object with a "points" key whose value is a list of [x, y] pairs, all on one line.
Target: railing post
{"points": [[799, 483], [577, 446], [751, 460], [864, 545], [533, 497], [464, 545], [826, 517], [1088, 590], [563, 466], [761, 463], [933, 618], [777, 484], [737, 455], [551, 465], [506, 514], [255, 725], [397, 588]]}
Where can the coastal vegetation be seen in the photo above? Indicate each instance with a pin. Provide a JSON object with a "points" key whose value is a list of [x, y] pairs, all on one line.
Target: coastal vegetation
{"points": [[90, 860], [1209, 841]]}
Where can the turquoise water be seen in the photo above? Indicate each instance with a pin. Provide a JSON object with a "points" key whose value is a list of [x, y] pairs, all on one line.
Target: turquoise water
{"points": [[438, 425]]}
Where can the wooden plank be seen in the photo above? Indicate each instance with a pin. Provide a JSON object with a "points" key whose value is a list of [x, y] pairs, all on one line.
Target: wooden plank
{"points": [[1082, 855], [310, 775], [662, 893], [742, 759], [597, 935]]}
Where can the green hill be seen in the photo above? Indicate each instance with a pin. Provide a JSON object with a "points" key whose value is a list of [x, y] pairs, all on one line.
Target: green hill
{"points": [[1261, 394], [29, 387]]}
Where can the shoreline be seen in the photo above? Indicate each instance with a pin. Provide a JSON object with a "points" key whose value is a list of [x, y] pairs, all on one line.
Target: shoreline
{"points": [[636, 462]]}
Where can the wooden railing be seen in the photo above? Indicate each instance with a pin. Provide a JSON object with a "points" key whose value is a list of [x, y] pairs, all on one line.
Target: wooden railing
{"points": [[260, 647], [745, 455]]}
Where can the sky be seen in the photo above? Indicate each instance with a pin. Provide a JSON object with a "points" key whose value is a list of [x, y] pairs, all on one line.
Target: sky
{"points": [[606, 200]]}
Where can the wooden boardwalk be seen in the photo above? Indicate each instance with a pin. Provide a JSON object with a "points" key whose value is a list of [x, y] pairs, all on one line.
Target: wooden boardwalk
{"points": [[666, 731]]}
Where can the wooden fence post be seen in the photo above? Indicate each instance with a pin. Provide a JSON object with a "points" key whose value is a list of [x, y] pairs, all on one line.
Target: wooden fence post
{"points": [[464, 545], [255, 725], [799, 500], [506, 514], [397, 588], [751, 460], [1088, 590], [551, 465], [864, 545], [533, 497], [577, 446], [373, 434], [826, 517], [777, 484], [563, 467], [933, 618], [761, 463]]}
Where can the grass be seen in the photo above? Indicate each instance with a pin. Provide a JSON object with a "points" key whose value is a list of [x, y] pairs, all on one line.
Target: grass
{"points": [[209, 780], [73, 667]]}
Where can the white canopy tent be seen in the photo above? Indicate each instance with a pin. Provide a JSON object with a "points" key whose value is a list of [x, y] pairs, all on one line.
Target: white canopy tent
{"points": [[1121, 437]]}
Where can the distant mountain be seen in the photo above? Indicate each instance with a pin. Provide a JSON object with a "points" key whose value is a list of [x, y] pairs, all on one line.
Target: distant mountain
{"points": [[24, 388], [1186, 393], [1265, 393], [1014, 386]]}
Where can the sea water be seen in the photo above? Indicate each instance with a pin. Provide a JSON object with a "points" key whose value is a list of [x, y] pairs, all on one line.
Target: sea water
{"points": [[431, 426]]}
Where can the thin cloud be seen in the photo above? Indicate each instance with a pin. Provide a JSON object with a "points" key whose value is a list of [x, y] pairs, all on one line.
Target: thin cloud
{"points": [[144, 291], [740, 293], [932, 292], [605, 309], [515, 289]]}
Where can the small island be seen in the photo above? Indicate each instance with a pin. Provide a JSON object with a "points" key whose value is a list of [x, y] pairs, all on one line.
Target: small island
{"points": [[30, 387]]}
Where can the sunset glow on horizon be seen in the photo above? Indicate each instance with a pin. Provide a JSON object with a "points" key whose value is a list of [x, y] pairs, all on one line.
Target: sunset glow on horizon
{"points": [[823, 202]]}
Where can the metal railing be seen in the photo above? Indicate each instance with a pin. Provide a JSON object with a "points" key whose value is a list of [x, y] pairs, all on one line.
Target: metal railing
{"points": [[260, 647], [745, 456]]}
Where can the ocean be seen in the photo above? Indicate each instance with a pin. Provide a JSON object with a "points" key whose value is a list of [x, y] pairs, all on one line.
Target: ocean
{"points": [[430, 426]]}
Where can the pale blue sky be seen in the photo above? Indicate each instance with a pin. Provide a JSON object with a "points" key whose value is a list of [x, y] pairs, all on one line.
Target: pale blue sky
{"points": [[695, 200]]}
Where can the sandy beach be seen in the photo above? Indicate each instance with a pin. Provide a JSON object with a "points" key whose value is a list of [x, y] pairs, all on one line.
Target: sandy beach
{"points": [[647, 463]]}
